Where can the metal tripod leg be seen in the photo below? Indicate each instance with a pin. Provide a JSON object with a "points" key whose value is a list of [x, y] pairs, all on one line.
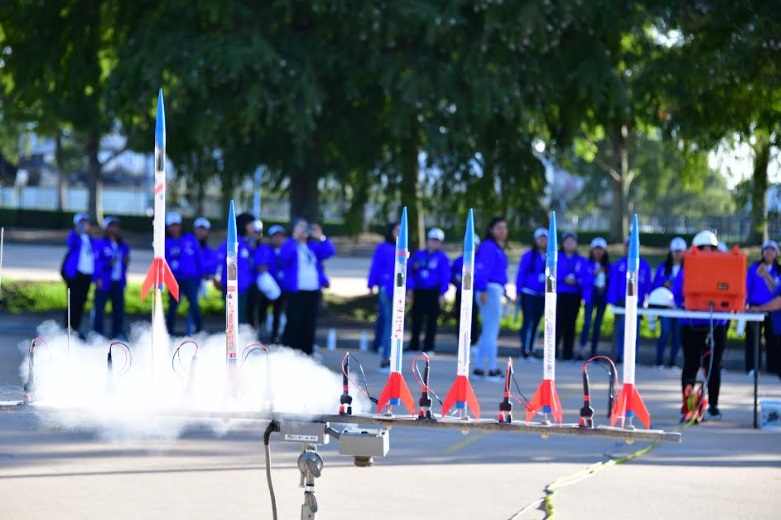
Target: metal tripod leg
{"points": [[310, 464]]}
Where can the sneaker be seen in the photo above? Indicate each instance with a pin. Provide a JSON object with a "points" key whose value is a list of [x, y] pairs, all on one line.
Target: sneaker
{"points": [[478, 373], [658, 367], [750, 373], [495, 376], [714, 414], [385, 366]]}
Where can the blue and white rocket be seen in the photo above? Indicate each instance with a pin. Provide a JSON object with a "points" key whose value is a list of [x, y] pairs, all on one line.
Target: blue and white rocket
{"points": [[232, 302], [396, 391], [546, 400], [159, 273], [461, 393], [629, 404]]}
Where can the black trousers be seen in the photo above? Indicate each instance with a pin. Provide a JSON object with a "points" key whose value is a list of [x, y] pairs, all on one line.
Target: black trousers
{"points": [[772, 344], [79, 286], [254, 298], [475, 334], [277, 308], [425, 306], [693, 341], [567, 309], [302, 310]]}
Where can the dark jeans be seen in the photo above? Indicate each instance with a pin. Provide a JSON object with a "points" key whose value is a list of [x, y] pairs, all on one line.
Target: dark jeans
{"points": [[671, 328], [598, 304], [187, 289], [533, 307], [772, 343], [302, 310], [277, 306], [382, 330], [425, 305], [694, 347], [79, 286], [475, 333], [116, 294], [567, 309], [252, 311]]}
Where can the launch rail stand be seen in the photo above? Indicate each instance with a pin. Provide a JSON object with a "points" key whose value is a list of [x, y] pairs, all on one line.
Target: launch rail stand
{"points": [[310, 464], [754, 318]]}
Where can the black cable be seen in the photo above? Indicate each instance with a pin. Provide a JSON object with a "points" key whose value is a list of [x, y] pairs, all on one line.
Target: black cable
{"points": [[363, 376], [517, 387], [420, 378], [272, 427]]}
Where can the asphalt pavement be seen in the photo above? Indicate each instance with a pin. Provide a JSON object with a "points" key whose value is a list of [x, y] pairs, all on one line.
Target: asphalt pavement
{"points": [[723, 469]]}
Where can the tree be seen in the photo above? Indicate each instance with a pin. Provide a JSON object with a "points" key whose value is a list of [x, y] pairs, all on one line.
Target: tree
{"points": [[723, 81]]}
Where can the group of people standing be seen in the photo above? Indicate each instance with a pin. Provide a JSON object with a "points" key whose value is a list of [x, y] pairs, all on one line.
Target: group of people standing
{"points": [[284, 274]]}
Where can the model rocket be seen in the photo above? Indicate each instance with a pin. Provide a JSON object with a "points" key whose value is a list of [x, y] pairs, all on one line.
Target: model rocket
{"points": [[159, 273], [232, 302], [396, 390], [461, 393], [546, 399], [629, 404]]}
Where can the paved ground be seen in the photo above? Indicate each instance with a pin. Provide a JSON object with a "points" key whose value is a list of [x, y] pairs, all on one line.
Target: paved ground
{"points": [[720, 470]]}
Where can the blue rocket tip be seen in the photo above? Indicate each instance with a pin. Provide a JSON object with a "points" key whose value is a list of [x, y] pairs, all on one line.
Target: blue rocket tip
{"points": [[403, 243], [634, 246], [160, 122], [232, 240], [469, 236], [551, 257]]}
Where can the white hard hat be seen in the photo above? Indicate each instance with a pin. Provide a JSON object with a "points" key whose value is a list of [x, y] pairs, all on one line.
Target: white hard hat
{"points": [[705, 238], [661, 297], [268, 286], [436, 234]]}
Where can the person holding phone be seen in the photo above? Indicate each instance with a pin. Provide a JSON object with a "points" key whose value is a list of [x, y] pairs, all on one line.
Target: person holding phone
{"points": [[113, 257], [78, 269]]}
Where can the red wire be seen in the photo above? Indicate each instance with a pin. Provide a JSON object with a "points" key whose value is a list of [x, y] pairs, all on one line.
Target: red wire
{"points": [[35, 341], [179, 352], [126, 351], [244, 354], [349, 379], [525, 405]]}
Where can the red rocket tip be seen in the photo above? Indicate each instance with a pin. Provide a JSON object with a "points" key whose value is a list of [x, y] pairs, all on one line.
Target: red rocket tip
{"points": [[396, 392], [160, 274], [545, 400], [462, 395], [628, 405]]}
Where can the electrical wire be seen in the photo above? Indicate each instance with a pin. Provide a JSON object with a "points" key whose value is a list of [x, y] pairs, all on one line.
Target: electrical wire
{"points": [[177, 355], [419, 377], [249, 349], [365, 389], [525, 402], [34, 345], [128, 357], [272, 427]]}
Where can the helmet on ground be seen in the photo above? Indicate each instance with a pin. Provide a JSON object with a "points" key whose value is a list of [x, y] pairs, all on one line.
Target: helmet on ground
{"points": [[705, 238], [661, 297]]}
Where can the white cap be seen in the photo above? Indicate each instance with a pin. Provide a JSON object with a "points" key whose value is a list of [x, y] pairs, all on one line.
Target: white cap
{"points": [[705, 238], [678, 244], [770, 243], [202, 222], [477, 239], [110, 220], [540, 232], [173, 218], [567, 234], [436, 234], [78, 217], [273, 230], [599, 242], [258, 224]]}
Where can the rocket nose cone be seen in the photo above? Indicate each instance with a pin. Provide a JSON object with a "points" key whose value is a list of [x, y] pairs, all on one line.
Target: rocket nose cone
{"points": [[231, 224], [403, 240], [634, 245], [160, 121], [552, 242], [469, 236]]}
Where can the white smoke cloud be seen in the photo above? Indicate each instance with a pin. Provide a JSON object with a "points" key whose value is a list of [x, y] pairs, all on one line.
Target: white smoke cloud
{"points": [[152, 396]]}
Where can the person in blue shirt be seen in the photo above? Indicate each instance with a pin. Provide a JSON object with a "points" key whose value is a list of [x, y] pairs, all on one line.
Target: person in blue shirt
{"points": [[456, 272], [694, 338], [245, 227], [181, 253], [530, 288], [773, 306], [489, 288], [616, 296], [207, 259], [594, 281], [569, 271], [381, 272], [428, 280], [254, 297], [665, 276], [301, 257], [761, 279], [111, 261], [277, 237], [78, 269]]}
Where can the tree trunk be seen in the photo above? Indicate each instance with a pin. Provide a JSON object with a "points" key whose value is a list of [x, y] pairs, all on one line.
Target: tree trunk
{"points": [[94, 169], [62, 183], [619, 218], [759, 189], [410, 187]]}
